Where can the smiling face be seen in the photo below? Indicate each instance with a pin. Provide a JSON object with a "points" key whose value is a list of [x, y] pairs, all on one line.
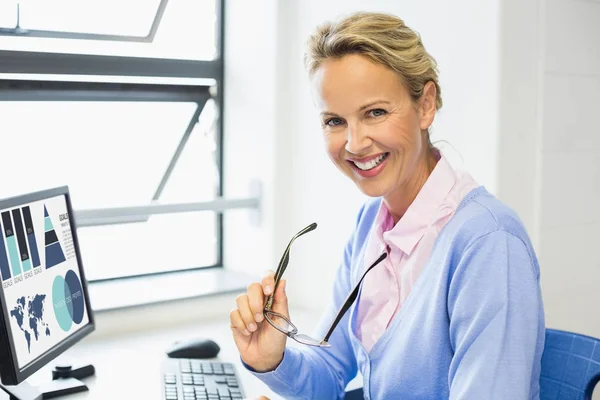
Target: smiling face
{"points": [[374, 132]]}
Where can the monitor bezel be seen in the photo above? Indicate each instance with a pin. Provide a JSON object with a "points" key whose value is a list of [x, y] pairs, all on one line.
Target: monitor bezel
{"points": [[10, 373]]}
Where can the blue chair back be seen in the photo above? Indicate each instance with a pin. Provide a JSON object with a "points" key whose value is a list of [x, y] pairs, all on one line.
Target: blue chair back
{"points": [[570, 366]]}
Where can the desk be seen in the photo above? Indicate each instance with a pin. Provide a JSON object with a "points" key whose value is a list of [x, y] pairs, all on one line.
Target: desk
{"points": [[128, 366]]}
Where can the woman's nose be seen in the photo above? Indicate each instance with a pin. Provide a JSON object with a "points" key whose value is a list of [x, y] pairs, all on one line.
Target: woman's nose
{"points": [[357, 139]]}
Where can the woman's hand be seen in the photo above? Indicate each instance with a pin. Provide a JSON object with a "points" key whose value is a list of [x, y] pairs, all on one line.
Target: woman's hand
{"points": [[260, 345]]}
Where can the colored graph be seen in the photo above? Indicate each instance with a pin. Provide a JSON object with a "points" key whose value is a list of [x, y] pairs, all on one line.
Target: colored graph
{"points": [[54, 253], [23, 251], [11, 244], [30, 231], [4, 266], [17, 233], [67, 299]]}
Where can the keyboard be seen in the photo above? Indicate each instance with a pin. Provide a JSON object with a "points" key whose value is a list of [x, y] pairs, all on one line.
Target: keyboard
{"points": [[187, 379]]}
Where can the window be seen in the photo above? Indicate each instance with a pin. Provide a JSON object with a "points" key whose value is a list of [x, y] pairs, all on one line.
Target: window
{"points": [[177, 29], [126, 114]]}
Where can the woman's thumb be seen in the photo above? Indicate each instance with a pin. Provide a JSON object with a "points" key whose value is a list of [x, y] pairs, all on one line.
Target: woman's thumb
{"points": [[280, 301]]}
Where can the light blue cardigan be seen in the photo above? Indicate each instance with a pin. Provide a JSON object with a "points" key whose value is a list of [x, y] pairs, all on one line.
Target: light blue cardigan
{"points": [[472, 327]]}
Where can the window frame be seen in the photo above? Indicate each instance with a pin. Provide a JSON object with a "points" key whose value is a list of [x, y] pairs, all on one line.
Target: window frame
{"points": [[207, 77], [18, 31]]}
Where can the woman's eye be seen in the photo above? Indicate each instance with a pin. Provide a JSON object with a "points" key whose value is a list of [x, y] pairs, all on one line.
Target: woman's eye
{"points": [[378, 112], [333, 122]]}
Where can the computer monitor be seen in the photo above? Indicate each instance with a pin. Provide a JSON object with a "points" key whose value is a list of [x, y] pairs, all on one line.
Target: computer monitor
{"points": [[44, 301]]}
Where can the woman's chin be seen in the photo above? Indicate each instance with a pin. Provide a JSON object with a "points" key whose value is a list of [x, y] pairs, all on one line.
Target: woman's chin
{"points": [[371, 189]]}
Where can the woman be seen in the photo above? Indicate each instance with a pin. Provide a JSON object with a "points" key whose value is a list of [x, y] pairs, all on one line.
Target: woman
{"points": [[455, 309]]}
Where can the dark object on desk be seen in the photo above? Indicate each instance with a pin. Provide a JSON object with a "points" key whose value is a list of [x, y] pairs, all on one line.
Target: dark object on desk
{"points": [[67, 371], [186, 379], [195, 348]]}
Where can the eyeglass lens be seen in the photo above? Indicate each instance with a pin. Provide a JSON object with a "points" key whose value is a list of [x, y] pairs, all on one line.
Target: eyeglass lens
{"points": [[280, 322]]}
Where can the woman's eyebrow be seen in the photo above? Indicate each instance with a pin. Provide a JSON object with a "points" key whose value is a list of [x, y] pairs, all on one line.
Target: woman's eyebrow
{"points": [[362, 108]]}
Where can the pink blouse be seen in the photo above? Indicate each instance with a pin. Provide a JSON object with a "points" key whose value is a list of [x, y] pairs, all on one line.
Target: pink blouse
{"points": [[409, 244]]}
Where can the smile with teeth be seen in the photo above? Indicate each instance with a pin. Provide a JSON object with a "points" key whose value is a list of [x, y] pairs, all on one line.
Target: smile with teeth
{"points": [[371, 164]]}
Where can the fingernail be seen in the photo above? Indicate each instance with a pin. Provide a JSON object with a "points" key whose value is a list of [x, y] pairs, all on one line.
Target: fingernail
{"points": [[258, 317], [252, 327], [268, 289], [246, 332]]}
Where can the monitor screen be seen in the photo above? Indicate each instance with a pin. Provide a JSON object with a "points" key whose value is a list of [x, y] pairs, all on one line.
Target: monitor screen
{"points": [[42, 290]]}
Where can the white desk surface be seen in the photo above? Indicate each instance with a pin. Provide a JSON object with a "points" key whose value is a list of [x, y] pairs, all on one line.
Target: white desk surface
{"points": [[128, 366]]}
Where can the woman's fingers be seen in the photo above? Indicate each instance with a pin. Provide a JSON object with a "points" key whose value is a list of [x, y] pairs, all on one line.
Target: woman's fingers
{"points": [[237, 322], [280, 301], [247, 316], [268, 283], [256, 299]]}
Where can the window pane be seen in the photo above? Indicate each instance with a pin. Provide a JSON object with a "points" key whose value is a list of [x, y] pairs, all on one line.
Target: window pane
{"points": [[187, 29], [115, 154], [165, 242], [8, 14], [111, 17], [98, 148]]}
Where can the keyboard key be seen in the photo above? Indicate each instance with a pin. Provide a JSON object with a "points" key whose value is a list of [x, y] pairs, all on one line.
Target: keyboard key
{"points": [[232, 382], [200, 380]]}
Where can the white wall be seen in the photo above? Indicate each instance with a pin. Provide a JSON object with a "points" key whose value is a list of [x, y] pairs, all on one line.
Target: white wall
{"points": [[548, 168], [570, 166]]}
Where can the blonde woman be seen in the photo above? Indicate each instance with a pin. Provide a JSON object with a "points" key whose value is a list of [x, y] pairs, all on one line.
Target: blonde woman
{"points": [[437, 295]]}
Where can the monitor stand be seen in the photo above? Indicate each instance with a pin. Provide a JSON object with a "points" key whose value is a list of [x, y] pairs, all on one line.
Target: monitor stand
{"points": [[54, 388]]}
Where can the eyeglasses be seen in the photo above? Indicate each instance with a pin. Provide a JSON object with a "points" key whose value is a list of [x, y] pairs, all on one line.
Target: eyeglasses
{"points": [[283, 324]]}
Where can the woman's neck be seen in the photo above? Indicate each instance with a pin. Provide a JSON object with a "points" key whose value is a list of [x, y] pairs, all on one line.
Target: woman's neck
{"points": [[402, 197]]}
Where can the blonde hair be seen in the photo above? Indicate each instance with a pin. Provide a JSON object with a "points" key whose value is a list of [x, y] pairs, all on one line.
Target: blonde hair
{"points": [[382, 38]]}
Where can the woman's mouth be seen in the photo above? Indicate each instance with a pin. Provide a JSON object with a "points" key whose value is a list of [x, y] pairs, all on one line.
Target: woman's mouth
{"points": [[369, 168], [366, 166]]}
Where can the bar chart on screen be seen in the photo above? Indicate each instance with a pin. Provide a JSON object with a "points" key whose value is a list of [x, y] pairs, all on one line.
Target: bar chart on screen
{"points": [[11, 244], [19, 251]]}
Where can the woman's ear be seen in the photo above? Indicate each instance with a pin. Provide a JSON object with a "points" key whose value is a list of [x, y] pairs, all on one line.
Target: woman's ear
{"points": [[427, 105]]}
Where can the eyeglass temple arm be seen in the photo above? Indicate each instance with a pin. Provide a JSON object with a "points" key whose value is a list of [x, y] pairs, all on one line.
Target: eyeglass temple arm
{"points": [[283, 263], [350, 299], [286, 255]]}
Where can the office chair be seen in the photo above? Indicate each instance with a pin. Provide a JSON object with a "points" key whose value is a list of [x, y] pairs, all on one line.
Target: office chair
{"points": [[570, 367]]}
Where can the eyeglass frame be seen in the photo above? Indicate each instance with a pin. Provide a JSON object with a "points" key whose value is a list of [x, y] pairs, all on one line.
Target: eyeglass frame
{"points": [[293, 334]]}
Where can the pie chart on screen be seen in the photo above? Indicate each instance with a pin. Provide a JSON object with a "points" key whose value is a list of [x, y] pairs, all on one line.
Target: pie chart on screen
{"points": [[67, 299]]}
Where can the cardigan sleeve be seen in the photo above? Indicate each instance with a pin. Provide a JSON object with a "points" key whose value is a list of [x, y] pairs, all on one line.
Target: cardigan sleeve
{"points": [[496, 314]]}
